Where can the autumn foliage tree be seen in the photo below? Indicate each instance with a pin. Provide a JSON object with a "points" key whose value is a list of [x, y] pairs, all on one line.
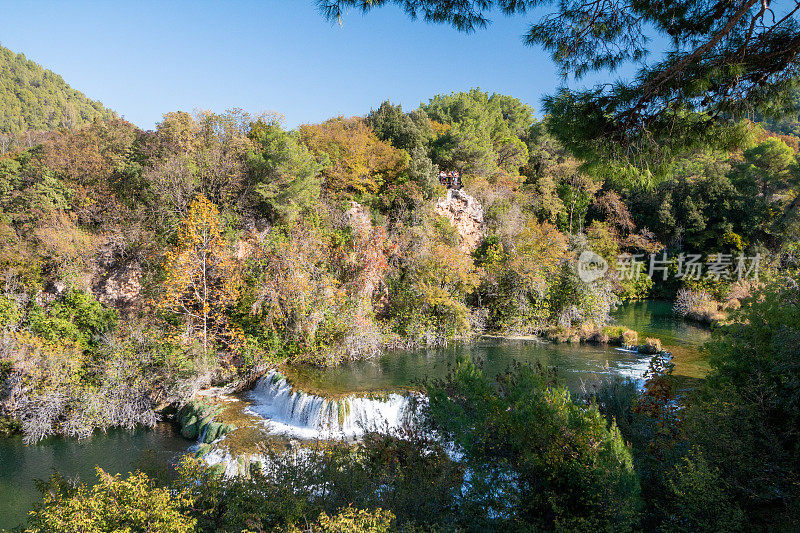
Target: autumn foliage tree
{"points": [[114, 503], [201, 276], [359, 164], [88, 160], [317, 286], [517, 274]]}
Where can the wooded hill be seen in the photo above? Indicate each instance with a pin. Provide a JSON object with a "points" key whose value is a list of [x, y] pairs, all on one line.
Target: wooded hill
{"points": [[34, 98]]}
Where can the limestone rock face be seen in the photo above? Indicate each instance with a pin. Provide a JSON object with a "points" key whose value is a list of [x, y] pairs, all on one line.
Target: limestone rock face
{"points": [[358, 218], [243, 250], [465, 214], [116, 278], [120, 286]]}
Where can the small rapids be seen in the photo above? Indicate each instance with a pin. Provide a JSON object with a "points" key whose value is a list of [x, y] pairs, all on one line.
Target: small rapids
{"points": [[301, 415]]}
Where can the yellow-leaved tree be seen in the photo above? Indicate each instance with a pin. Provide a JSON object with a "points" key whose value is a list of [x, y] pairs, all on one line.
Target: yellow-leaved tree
{"points": [[202, 277]]}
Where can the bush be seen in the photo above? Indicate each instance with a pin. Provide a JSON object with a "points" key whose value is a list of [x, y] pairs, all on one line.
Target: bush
{"points": [[744, 419], [621, 336], [60, 388], [10, 313], [76, 316], [537, 459], [651, 346], [698, 306], [696, 499], [629, 338], [114, 503], [351, 521]]}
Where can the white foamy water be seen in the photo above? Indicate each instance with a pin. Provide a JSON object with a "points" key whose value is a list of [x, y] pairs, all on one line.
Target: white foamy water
{"points": [[637, 368], [307, 416]]}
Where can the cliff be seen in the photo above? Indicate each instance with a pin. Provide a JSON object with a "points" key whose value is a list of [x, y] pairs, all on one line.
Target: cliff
{"points": [[465, 214]]}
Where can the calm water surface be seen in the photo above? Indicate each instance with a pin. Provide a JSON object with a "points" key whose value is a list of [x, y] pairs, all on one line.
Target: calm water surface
{"points": [[117, 451], [682, 338], [576, 364], [154, 450]]}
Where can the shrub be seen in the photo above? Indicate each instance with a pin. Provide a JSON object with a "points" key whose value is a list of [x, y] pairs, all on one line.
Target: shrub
{"points": [[744, 418], [698, 306], [351, 521], [571, 472], [629, 338], [76, 316], [651, 346], [10, 313], [114, 503], [696, 499]]}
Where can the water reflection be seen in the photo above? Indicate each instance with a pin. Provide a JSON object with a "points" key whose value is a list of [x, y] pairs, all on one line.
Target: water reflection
{"points": [[576, 364]]}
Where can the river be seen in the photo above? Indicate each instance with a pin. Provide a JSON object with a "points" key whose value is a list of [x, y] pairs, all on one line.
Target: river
{"points": [[153, 451]]}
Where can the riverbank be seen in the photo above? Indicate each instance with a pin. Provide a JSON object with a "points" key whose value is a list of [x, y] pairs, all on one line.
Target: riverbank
{"points": [[595, 353], [578, 364]]}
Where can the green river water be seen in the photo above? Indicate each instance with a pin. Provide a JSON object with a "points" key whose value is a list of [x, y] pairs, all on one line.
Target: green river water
{"points": [[154, 450]]}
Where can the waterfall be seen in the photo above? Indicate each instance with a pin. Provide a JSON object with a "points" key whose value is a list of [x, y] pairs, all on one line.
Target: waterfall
{"points": [[307, 416]]}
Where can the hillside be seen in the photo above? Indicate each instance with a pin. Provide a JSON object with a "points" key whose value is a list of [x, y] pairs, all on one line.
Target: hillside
{"points": [[34, 98]]}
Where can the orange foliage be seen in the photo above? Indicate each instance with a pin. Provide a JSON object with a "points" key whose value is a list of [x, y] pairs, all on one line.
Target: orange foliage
{"points": [[539, 250], [202, 277], [439, 128], [66, 246]]}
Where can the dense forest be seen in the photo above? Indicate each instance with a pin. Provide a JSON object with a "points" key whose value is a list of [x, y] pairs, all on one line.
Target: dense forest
{"points": [[34, 99], [138, 267]]}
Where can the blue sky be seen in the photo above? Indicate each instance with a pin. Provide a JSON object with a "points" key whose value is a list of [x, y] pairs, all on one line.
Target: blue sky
{"points": [[144, 58]]}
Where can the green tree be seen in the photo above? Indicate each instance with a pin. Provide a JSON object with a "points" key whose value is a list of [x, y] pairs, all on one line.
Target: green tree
{"points": [[517, 275], [696, 499], [406, 131], [285, 175], [773, 164], [428, 293], [745, 419], [576, 192], [537, 460], [721, 59], [9, 178], [411, 132], [352, 521], [485, 131]]}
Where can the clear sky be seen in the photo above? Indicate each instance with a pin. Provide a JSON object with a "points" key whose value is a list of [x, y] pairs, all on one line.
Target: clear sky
{"points": [[145, 58]]}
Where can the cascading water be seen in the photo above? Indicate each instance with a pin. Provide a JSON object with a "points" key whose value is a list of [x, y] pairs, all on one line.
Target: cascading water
{"points": [[307, 416]]}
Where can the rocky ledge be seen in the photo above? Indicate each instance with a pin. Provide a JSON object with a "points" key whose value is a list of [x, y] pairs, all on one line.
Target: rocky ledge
{"points": [[465, 214]]}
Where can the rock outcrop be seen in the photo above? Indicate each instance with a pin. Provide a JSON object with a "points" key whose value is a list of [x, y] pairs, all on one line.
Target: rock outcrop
{"points": [[465, 214], [115, 278], [121, 286], [358, 218]]}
